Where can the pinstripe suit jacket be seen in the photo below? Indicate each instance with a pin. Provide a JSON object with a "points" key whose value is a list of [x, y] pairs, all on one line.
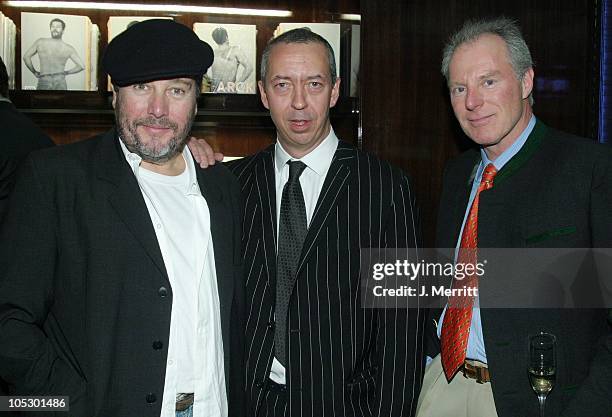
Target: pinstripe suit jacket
{"points": [[343, 360]]}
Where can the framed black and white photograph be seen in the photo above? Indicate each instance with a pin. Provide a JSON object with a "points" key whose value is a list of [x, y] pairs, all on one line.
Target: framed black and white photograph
{"points": [[7, 47], [233, 70], [54, 50], [329, 31], [94, 47]]}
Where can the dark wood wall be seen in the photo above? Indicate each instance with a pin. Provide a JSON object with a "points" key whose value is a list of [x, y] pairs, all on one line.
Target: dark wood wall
{"points": [[406, 114]]}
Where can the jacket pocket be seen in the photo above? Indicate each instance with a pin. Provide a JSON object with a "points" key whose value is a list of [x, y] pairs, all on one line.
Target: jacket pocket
{"points": [[549, 234]]}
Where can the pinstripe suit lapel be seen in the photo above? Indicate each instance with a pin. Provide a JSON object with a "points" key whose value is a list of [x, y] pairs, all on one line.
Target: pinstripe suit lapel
{"points": [[264, 181], [336, 183]]}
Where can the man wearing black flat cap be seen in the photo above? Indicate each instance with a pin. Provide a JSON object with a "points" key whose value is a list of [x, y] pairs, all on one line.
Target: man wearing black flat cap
{"points": [[121, 284]]}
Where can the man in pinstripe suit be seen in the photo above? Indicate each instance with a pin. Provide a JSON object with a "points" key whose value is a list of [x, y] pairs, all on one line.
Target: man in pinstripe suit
{"points": [[339, 358]]}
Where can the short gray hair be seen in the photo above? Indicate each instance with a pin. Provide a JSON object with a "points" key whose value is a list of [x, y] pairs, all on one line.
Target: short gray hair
{"points": [[507, 29], [300, 35]]}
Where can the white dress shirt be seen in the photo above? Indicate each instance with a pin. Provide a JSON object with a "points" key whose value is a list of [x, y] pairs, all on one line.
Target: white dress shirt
{"points": [[181, 220], [317, 163]]}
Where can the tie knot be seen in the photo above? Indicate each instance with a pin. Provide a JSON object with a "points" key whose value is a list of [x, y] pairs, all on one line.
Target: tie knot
{"points": [[295, 170], [488, 175]]}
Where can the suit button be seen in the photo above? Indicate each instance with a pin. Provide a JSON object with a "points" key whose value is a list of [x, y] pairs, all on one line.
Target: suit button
{"points": [[157, 345], [151, 398], [162, 292], [270, 325]]}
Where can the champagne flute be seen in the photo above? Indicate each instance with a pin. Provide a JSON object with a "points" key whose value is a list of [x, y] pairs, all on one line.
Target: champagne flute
{"points": [[542, 365]]}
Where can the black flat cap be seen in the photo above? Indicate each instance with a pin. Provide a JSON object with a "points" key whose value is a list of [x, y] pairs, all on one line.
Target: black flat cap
{"points": [[156, 49]]}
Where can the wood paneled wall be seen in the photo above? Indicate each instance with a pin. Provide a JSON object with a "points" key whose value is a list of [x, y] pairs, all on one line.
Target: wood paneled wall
{"points": [[406, 114]]}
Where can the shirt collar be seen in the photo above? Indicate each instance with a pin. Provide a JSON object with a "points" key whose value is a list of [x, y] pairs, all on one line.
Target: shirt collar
{"points": [[194, 186], [134, 160], [318, 160], [512, 150]]}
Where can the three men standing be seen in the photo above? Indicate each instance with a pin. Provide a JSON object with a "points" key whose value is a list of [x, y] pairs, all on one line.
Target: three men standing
{"points": [[123, 270]]}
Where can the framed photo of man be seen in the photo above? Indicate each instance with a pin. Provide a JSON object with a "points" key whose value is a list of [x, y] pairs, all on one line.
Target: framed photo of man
{"points": [[55, 51], [233, 70], [7, 47], [329, 31]]}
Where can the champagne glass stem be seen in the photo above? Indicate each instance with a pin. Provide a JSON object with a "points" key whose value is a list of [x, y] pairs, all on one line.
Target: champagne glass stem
{"points": [[542, 401]]}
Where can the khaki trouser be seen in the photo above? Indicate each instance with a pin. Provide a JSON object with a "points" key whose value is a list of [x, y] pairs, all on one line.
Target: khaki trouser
{"points": [[462, 397]]}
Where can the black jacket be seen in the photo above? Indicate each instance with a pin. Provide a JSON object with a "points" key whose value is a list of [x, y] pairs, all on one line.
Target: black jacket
{"points": [[84, 292]]}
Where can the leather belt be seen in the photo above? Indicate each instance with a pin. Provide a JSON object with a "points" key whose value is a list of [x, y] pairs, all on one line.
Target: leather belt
{"points": [[476, 371], [183, 401]]}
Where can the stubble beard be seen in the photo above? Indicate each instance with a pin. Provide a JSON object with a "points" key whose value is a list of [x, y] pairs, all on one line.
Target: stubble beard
{"points": [[149, 152]]}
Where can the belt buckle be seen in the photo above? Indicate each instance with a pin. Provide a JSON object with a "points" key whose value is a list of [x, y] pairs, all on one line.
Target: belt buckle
{"points": [[474, 372], [183, 401]]}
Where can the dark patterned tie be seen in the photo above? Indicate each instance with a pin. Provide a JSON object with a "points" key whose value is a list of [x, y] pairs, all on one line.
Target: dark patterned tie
{"points": [[458, 317], [291, 234]]}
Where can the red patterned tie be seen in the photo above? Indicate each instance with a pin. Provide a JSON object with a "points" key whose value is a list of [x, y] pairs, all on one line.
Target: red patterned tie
{"points": [[456, 325]]}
